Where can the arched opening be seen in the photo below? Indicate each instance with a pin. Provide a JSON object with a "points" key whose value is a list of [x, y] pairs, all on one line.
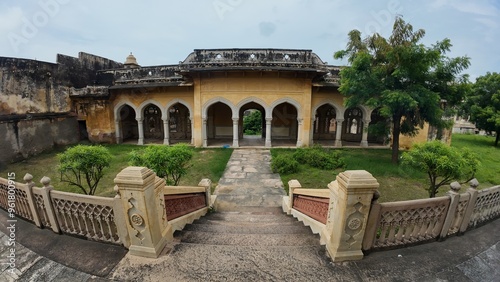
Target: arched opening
{"points": [[284, 126], [219, 125], [252, 125], [325, 125], [179, 124], [378, 129], [352, 128], [128, 124], [153, 124]]}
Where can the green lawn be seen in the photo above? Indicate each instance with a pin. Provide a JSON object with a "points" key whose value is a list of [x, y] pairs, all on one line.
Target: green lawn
{"points": [[396, 182], [206, 163]]}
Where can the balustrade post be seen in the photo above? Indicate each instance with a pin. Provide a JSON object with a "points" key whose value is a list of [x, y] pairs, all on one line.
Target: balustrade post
{"points": [[292, 185], [470, 205], [350, 200], [207, 183], [450, 215], [28, 178], [143, 202], [47, 202], [371, 225]]}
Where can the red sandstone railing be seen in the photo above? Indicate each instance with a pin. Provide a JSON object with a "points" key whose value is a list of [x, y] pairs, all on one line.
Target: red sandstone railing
{"points": [[315, 207], [182, 204]]}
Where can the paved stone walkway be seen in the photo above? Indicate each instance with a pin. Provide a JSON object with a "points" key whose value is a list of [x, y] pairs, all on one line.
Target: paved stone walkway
{"points": [[249, 182]]}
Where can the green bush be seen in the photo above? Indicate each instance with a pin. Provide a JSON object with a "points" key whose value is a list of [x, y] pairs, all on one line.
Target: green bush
{"points": [[442, 163], [169, 162], [82, 166], [319, 157], [284, 164]]}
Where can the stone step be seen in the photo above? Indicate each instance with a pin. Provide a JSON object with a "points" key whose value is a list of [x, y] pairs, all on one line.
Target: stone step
{"points": [[251, 263], [248, 229], [227, 202], [275, 224], [209, 238], [248, 217]]}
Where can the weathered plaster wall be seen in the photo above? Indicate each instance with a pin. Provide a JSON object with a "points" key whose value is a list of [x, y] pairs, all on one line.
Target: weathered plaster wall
{"points": [[35, 106], [22, 138]]}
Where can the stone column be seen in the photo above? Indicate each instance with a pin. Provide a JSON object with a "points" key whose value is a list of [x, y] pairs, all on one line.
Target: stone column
{"points": [[166, 132], [118, 132], [350, 199], [299, 133], [204, 132], [140, 127], [364, 138], [192, 129], [141, 194], [235, 133], [28, 178], [338, 133], [268, 132]]}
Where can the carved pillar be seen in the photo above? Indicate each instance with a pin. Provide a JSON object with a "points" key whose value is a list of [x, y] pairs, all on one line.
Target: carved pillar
{"points": [[204, 132], [207, 183], [364, 138], [118, 132], [140, 126], [235, 133], [268, 132], [338, 133], [192, 128], [166, 132], [28, 178], [299, 133], [350, 199], [47, 202], [141, 194]]}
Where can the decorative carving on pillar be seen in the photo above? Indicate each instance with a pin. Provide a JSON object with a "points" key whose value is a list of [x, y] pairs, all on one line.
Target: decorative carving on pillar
{"points": [[136, 220], [354, 223]]}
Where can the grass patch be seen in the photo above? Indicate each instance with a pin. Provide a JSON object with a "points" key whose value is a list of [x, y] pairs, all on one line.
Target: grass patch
{"points": [[398, 183], [489, 171], [206, 163]]}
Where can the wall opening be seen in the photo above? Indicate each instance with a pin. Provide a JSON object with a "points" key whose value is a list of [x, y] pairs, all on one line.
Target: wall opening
{"points": [[219, 124], [179, 124]]}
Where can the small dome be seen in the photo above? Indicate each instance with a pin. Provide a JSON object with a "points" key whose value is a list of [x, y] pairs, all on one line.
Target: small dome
{"points": [[131, 61]]}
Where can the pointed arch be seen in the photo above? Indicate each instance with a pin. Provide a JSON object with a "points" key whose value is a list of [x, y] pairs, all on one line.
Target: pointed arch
{"points": [[285, 100], [217, 100], [254, 100], [140, 113]]}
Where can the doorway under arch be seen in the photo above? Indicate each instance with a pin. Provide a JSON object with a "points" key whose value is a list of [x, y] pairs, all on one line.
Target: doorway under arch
{"points": [[179, 124], [325, 125], [352, 127], [219, 125], [153, 124], [128, 124], [378, 129], [284, 125], [252, 125]]}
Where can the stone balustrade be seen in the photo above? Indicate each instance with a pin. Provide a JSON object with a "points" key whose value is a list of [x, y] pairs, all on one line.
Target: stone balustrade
{"points": [[356, 223], [137, 217]]}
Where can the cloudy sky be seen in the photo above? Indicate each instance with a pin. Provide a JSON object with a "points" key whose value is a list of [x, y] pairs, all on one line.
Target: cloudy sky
{"points": [[165, 32]]}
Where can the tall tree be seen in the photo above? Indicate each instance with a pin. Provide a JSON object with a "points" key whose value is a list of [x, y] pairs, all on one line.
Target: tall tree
{"points": [[483, 104], [401, 76]]}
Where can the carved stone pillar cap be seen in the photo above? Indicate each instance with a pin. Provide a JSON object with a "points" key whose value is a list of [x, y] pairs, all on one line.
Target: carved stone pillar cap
{"points": [[474, 183], [28, 177], [352, 179], [455, 186], [205, 182], [134, 177], [45, 181]]}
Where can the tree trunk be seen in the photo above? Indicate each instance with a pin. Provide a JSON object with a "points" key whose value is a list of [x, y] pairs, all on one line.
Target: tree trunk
{"points": [[395, 138], [498, 137]]}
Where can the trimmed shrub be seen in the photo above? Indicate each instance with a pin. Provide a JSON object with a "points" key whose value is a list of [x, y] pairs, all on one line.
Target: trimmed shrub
{"points": [[169, 162], [284, 164], [319, 157], [82, 166]]}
